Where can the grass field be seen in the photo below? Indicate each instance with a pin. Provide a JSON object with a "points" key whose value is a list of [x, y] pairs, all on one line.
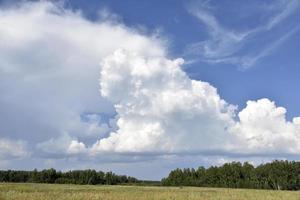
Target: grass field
{"points": [[9, 191]]}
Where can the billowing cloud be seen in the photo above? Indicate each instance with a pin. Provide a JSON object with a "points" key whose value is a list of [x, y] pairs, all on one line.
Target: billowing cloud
{"points": [[49, 71], [147, 105], [264, 129], [160, 108]]}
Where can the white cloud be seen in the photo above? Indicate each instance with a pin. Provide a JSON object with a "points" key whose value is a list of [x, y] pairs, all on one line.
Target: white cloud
{"points": [[222, 42], [62, 146], [159, 108], [49, 87], [49, 71], [76, 147], [243, 48], [284, 9], [264, 129], [12, 149]]}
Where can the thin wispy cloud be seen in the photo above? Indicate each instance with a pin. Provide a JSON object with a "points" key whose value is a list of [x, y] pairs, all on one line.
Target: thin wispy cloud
{"points": [[243, 48]]}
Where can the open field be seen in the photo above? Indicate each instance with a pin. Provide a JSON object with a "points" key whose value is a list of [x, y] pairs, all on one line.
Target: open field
{"points": [[9, 191]]}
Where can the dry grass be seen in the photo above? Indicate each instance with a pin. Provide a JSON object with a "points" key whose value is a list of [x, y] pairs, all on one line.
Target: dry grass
{"points": [[10, 191]]}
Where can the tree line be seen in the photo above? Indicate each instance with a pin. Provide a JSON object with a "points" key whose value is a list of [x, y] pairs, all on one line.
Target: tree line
{"points": [[277, 175], [90, 177]]}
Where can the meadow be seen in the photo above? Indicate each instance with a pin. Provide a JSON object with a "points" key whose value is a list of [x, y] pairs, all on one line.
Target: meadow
{"points": [[28, 191]]}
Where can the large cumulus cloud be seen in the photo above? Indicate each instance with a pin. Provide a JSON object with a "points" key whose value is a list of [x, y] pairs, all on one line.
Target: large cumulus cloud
{"points": [[49, 71], [50, 100], [160, 109]]}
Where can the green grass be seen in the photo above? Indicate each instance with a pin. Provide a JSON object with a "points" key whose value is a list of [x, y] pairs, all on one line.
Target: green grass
{"points": [[10, 191]]}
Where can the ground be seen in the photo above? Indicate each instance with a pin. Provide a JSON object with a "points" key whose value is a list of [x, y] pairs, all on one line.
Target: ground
{"points": [[9, 191]]}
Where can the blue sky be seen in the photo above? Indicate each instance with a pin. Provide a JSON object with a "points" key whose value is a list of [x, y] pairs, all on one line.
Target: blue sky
{"points": [[103, 84], [274, 76]]}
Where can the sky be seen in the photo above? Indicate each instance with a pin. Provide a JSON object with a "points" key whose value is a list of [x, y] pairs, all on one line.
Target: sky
{"points": [[143, 87]]}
